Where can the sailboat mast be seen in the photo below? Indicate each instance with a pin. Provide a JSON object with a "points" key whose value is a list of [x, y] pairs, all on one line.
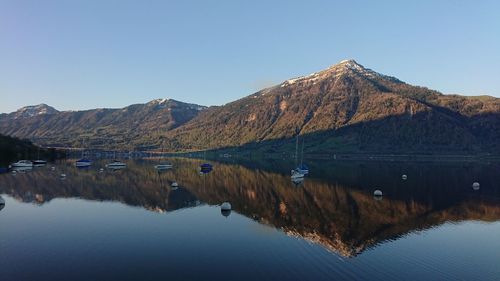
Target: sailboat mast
{"points": [[302, 152], [297, 149], [162, 143], [162, 147]]}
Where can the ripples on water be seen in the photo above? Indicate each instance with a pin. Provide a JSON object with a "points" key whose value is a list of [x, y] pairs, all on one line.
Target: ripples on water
{"points": [[131, 224]]}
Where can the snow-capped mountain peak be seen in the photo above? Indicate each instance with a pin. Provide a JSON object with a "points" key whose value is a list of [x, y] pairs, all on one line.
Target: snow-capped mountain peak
{"points": [[159, 101], [345, 67], [168, 103], [351, 64], [34, 110]]}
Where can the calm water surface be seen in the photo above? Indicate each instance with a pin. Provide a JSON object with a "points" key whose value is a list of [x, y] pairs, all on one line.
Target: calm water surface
{"points": [[132, 225]]}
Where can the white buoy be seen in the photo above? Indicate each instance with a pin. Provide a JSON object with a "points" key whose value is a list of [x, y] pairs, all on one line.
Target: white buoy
{"points": [[226, 206], [475, 186], [404, 177], [225, 209], [175, 184], [377, 193]]}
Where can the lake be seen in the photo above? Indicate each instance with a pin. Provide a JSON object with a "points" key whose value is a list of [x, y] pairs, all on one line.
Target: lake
{"points": [[131, 224]]}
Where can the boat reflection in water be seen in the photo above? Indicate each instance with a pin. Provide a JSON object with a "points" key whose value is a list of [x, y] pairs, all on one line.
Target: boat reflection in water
{"points": [[116, 165], [15, 170], [2, 203], [298, 181], [336, 210]]}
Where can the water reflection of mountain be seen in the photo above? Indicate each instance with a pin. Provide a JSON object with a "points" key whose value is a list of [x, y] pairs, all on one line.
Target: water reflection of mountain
{"points": [[136, 186], [336, 209]]}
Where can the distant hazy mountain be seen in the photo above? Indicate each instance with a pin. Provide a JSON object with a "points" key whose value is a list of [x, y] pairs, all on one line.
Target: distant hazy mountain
{"points": [[349, 108], [345, 108], [122, 128]]}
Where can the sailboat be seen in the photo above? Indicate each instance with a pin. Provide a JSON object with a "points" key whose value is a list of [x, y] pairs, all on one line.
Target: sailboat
{"points": [[116, 164], [22, 164], [39, 162], [83, 162], [297, 172], [164, 165], [302, 168], [205, 168]]}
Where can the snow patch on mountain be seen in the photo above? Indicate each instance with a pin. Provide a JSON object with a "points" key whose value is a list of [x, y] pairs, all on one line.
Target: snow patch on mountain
{"points": [[159, 101], [34, 110], [342, 68], [164, 102], [311, 77]]}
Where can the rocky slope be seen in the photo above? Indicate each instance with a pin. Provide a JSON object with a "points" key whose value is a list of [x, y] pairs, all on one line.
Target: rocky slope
{"points": [[348, 107], [139, 124]]}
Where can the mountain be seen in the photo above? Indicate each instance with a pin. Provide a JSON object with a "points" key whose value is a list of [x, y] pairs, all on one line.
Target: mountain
{"points": [[136, 124], [347, 107], [34, 110], [12, 149]]}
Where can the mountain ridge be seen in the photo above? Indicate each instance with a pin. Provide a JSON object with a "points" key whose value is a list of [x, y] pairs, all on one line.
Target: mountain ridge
{"points": [[44, 105], [102, 127], [346, 94], [344, 107], [33, 110]]}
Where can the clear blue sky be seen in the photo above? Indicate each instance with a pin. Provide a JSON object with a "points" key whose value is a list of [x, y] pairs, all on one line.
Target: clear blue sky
{"points": [[102, 53]]}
